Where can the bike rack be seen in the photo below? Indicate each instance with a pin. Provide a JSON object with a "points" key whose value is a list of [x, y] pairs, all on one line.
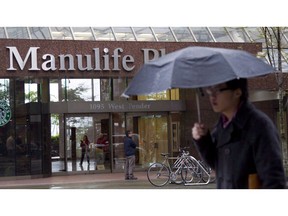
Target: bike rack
{"points": [[202, 170], [196, 169]]}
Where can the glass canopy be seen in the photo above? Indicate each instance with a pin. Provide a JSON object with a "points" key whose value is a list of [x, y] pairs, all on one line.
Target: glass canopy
{"points": [[169, 34]]}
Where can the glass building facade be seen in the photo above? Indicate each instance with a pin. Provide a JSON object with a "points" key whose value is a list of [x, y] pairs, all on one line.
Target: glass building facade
{"points": [[47, 116]]}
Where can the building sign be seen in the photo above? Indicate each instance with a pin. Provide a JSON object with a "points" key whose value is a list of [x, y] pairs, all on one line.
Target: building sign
{"points": [[88, 59], [5, 113], [116, 106], [49, 61]]}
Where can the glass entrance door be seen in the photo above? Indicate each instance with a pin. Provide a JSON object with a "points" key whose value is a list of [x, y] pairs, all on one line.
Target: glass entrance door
{"points": [[150, 133], [95, 156]]}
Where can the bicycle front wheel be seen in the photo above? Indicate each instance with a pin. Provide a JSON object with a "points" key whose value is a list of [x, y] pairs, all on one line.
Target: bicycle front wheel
{"points": [[158, 174]]}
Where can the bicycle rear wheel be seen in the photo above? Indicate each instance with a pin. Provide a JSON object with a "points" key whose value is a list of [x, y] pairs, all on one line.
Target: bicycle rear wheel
{"points": [[176, 175], [158, 174]]}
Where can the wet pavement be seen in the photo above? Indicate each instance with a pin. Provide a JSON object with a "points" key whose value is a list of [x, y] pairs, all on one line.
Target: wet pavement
{"points": [[93, 181]]}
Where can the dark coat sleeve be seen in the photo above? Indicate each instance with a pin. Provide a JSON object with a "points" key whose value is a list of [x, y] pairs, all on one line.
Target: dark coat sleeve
{"points": [[267, 154], [207, 149]]}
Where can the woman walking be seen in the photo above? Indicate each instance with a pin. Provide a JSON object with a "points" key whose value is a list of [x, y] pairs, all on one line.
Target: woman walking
{"points": [[85, 149]]}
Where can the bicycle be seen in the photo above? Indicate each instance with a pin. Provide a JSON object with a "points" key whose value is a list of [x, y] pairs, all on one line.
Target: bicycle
{"points": [[159, 174]]}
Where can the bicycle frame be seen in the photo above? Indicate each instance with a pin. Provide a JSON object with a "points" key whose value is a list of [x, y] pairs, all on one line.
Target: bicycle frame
{"points": [[178, 164]]}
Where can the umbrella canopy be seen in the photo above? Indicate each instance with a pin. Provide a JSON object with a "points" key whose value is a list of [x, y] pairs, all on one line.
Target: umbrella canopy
{"points": [[195, 67]]}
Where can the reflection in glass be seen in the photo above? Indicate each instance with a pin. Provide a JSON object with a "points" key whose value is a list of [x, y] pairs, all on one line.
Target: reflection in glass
{"points": [[144, 34], [17, 32], [255, 34], [153, 135], [220, 34], [82, 33], [123, 34], [83, 125], [104, 33], [80, 90], [31, 91], [182, 34], [118, 140], [4, 90], [97, 89], [202, 34], [54, 90], [238, 34], [102, 89], [77, 89], [285, 37], [61, 33], [40, 33], [163, 34], [149, 132], [2, 33], [172, 94], [119, 85]]}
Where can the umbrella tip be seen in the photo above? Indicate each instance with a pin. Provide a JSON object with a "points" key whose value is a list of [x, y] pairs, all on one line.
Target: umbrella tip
{"points": [[124, 95]]}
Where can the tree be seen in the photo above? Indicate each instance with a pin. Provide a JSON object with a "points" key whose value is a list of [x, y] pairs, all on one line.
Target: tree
{"points": [[31, 96], [273, 39]]}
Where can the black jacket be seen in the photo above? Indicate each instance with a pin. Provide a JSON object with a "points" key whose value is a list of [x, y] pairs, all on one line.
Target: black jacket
{"points": [[129, 146], [249, 144]]}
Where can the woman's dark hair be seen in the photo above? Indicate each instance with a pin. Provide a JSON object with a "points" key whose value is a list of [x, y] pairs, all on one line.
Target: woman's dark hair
{"points": [[239, 83], [127, 133]]}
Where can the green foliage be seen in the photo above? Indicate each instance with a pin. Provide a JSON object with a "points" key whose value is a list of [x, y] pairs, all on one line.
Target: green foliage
{"points": [[55, 142], [31, 96], [75, 93]]}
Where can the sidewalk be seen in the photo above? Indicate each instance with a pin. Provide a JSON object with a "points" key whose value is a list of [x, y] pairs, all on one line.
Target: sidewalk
{"points": [[91, 181]]}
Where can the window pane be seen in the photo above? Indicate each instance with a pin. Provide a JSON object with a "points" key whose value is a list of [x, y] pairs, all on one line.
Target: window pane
{"points": [[201, 34], [40, 33], [2, 33], [285, 37], [144, 34], [54, 90], [238, 34], [82, 33], [220, 34], [61, 33], [183, 34], [4, 90], [255, 34], [163, 34], [17, 32], [119, 85], [164, 95], [123, 34], [153, 133], [104, 33], [285, 60], [102, 89], [77, 89], [31, 92]]}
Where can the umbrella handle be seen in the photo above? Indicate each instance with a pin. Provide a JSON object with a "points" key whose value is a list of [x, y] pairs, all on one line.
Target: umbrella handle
{"points": [[198, 106]]}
